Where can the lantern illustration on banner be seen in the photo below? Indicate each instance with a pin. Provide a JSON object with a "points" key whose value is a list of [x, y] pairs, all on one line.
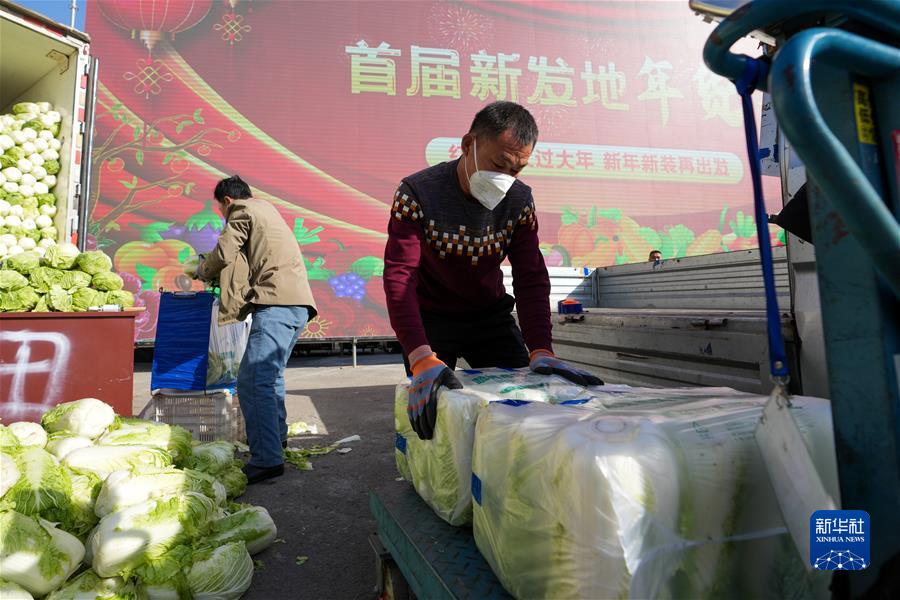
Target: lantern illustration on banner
{"points": [[150, 21], [232, 26]]}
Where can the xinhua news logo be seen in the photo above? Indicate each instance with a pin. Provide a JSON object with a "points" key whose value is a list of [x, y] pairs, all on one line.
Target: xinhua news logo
{"points": [[839, 540]]}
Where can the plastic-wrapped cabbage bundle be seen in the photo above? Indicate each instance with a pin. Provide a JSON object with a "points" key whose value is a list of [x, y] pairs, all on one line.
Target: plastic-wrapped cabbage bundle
{"points": [[404, 430], [441, 468], [620, 397], [671, 503]]}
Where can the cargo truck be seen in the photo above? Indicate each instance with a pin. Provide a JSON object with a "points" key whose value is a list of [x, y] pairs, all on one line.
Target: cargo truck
{"points": [[44, 61]]}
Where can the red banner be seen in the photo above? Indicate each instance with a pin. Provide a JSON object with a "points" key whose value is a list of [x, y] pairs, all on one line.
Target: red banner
{"points": [[324, 106]]}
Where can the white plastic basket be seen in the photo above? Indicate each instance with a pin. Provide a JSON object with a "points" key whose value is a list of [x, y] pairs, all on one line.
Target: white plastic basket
{"points": [[208, 416]]}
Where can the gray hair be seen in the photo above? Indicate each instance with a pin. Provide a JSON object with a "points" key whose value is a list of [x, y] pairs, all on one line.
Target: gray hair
{"points": [[497, 117]]}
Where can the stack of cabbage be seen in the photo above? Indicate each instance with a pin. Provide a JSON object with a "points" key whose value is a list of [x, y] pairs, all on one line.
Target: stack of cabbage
{"points": [[29, 163], [62, 279], [664, 498], [92, 505], [441, 468]]}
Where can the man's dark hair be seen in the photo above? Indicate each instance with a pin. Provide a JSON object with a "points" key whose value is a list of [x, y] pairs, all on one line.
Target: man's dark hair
{"points": [[234, 187], [652, 252], [497, 117]]}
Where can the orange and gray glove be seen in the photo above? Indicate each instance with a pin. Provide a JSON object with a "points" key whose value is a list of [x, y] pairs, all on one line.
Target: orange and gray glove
{"points": [[429, 375], [543, 362]]}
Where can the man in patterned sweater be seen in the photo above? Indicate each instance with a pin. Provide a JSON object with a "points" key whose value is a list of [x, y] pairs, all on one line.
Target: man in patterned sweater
{"points": [[451, 227]]}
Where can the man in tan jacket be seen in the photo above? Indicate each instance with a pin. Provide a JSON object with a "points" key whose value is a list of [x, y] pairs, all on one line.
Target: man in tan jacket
{"points": [[261, 272]]}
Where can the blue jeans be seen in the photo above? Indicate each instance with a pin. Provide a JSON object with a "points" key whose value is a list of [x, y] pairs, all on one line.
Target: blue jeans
{"points": [[260, 384]]}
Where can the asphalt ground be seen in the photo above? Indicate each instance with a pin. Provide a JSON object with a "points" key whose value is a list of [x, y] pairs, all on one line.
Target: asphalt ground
{"points": [[323, 514]]}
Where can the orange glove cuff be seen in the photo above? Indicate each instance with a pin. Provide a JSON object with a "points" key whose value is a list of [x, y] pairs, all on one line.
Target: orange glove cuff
{"points": [[540, 352], [425, 363]]}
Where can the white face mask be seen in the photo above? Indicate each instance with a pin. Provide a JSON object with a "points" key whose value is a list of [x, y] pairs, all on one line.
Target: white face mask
{"points": [[488, 187]]}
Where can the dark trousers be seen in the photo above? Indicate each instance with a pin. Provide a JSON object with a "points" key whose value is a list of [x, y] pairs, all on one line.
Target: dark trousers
{"points": [[488, 338]]}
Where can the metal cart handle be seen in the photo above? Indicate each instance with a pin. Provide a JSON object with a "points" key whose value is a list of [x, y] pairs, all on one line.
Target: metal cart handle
{"points": [[850, 192], [883, 15]]}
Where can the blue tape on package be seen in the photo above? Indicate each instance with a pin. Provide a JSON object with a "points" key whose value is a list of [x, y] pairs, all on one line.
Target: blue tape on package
{"points": [[476, 488], [181, 353], [575, 402], [515, 402], [400, 443]]}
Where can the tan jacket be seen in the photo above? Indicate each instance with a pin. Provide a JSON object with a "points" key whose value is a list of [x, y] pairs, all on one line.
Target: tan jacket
{"points": [[258, 261]]}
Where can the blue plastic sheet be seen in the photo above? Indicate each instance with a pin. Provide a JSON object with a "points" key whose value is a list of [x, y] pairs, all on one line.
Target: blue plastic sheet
{"points": [[180, 358]]}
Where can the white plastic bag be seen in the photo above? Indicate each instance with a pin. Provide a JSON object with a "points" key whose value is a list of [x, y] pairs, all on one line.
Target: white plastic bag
{"points": [[226, 349]]}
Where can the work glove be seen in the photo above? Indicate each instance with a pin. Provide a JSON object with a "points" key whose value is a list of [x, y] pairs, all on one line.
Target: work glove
{"points": [[429, 375], [543, 362]]}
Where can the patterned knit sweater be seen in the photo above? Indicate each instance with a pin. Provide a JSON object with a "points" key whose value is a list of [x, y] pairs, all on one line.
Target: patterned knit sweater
{"points": [[444, 253]]}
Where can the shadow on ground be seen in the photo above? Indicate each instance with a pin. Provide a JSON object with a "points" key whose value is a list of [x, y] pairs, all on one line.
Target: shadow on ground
{"points": [[324, 513]]}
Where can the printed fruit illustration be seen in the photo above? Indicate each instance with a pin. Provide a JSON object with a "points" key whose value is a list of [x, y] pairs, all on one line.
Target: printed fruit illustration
{"points": [[575, 237], [634, 245], [601, 256], [708, 242]]}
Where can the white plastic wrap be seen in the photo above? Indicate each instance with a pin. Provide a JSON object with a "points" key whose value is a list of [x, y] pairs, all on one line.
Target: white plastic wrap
{"points": [[404, 431], [441, 468], [671, 501], [650, 400], [522, 384]]}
